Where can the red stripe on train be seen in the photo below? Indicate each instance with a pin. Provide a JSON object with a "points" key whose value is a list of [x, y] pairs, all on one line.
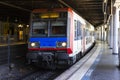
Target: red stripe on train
{"points": [[69, 51]]}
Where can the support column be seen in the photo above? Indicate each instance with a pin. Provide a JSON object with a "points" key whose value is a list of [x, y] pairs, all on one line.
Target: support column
{"points": [[108, 38], [108, 35], [99, 31], [105, 32], [115, 30], [111, 32], [102, 33]]}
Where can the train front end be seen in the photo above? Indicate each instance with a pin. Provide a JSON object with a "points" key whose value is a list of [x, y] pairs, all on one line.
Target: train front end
{"points": [[48, 43]]}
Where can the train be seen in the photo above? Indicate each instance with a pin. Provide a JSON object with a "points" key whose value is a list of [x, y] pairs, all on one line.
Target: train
{"points": [[58, 36]]}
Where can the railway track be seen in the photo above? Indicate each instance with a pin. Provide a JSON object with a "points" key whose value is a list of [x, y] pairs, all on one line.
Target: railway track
{"points": [[43, 75], [29, 73]]}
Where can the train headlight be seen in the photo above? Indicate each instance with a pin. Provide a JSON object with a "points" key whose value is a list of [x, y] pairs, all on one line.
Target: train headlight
{"points": [[34, 44], [61, 44], [64, 44]]}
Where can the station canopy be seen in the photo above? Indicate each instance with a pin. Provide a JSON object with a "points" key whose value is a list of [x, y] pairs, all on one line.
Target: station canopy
{"points": [[96, 12]]}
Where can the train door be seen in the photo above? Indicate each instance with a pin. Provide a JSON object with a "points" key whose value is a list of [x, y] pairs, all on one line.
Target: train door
{"points": [[78, 36], [83, 40], [75, 36]]}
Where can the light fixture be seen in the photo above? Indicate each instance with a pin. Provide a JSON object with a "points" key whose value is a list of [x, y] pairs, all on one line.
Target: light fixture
{"points": [[20, 25]]}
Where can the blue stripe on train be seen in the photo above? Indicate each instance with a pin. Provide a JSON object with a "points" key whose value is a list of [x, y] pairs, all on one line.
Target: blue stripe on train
{"points": [[48, 42]]}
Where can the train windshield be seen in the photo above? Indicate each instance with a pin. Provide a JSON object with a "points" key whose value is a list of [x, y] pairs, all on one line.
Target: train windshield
{"points": [[49, 27], [58, 28], [40, 28]]}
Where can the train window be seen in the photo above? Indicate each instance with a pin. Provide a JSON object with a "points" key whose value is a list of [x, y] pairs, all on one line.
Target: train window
{"points": [[49, 24], [90, 33], [78, 30], [86, 32], [40, 28], [75, 24], [58, 28]]}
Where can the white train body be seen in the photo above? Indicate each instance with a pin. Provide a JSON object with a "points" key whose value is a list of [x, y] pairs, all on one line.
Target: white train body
{"points": [[81, 41]]}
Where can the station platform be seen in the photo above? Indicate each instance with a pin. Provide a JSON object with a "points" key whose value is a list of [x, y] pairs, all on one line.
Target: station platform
{"points": [[99, 64], [107, 66]]}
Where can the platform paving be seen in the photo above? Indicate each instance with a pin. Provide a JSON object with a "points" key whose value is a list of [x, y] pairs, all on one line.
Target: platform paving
{"points": [[105, 67]]}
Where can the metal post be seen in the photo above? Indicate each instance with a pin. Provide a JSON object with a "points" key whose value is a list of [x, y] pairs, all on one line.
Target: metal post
{"points": [[8, 50]]}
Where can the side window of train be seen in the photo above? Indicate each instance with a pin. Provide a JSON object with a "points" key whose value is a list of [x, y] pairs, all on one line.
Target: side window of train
{"points": [[75, 28], [78, 30], [86, 32]]}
